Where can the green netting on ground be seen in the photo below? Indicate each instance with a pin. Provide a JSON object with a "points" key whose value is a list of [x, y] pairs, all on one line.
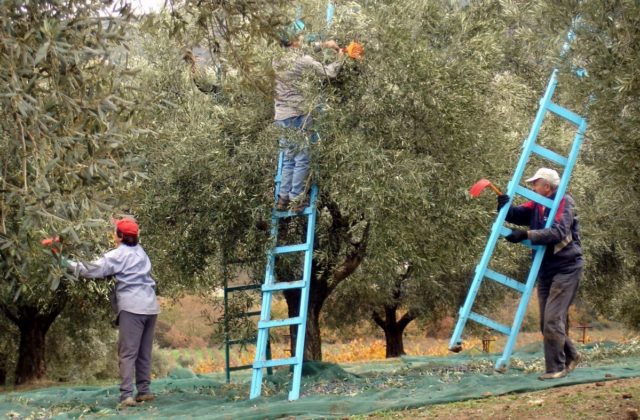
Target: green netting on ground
{"points": [[328, 390]]}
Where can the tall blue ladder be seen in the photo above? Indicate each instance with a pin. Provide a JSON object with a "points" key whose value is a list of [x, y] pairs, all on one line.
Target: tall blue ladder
{"points": [[271, 285], [482, 271]]}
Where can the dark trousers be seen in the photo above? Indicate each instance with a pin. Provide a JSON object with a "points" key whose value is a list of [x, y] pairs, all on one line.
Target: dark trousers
{"points": [[555, 294], [134, 351]]}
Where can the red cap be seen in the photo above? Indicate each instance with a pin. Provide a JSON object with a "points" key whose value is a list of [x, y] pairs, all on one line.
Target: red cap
{"points": [[127, 226]]}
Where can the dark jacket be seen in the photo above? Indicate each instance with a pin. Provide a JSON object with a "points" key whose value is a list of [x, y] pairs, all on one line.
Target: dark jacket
{"points": [[563, 237]]}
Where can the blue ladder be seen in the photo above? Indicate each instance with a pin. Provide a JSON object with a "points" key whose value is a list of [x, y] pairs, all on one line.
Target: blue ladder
{"points": [[482, 271], [270, 285]]}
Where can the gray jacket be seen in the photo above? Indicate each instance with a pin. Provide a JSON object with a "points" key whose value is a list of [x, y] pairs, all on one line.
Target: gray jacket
{"points": [[135, 289], [290, 74]]}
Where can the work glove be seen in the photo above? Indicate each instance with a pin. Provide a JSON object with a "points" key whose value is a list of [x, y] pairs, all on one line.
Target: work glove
{"points": [[502, 200], [65, 262], [516, 236]]}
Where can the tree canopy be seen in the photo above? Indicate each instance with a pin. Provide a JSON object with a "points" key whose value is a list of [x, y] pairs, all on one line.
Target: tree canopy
{"points": [[101, 117]]}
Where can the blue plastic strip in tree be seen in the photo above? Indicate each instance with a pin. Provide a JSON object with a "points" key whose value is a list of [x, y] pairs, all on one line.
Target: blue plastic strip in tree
{"points": [[331, 8]]}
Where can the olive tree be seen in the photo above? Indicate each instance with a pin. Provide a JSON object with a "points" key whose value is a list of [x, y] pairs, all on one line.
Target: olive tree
{"points": [[458, 113], [65, 155], [398, 149], [607, 46]]}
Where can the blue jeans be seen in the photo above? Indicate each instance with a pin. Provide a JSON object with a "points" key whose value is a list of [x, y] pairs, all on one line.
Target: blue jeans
{"points": [[296, 154]]}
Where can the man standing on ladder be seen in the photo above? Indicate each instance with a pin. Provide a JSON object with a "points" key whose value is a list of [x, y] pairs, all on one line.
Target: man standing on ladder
{"points": [[561, 268], [291, 116]]}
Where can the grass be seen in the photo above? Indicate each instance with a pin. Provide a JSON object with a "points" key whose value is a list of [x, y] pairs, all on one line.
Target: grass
{"points": [[210, 360], [617, 399]]}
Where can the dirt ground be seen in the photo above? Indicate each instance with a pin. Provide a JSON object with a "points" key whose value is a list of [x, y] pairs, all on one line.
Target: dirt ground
{"points": [[615, 399]]}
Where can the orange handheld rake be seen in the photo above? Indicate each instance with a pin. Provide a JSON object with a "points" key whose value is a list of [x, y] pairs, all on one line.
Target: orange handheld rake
{"points": [[354, 50], [479, 186], [53, 242]]}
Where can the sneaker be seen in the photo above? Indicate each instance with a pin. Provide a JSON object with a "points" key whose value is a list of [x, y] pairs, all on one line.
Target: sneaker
{"points": [[282, 204], [145, 397], [128, 402], [573, 363], [553, 375]]}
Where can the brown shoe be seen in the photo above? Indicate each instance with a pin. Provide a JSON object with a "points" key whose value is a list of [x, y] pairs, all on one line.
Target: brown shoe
{"points": [[282, 204], [553, 375], [145, 397], [300, 203], [573, 363], [128, 402]]}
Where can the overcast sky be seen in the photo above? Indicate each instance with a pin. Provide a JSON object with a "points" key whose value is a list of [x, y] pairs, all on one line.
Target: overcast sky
{"points": [[145, 6], [140, 6]]}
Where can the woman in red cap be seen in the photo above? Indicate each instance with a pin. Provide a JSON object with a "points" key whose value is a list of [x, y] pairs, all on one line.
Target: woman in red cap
{"points": [[137, 307]]}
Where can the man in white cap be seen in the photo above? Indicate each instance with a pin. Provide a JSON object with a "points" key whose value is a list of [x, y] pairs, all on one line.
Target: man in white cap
{"points": [[561, 268]]}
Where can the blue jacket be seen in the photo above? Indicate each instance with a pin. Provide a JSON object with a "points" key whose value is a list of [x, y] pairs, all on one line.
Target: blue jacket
{"points": [[562, 238]]}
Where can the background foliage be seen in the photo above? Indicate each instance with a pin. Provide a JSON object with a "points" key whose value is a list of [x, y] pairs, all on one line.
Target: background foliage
{"points": [[444, 97]]}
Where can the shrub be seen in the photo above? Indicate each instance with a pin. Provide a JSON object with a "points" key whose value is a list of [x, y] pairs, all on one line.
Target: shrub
{"points": [[161, 363], [84, 355], [8, 351], [162, 329], [186, 360], [174, 338]]}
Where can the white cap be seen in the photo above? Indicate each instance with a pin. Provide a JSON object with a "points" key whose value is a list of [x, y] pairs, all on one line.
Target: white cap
{"points": [[548, 175]]}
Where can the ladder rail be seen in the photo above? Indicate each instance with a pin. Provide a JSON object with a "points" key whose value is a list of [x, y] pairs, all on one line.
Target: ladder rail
{"points": [[294, 394], [227, 356], [529, 142], [265, 309], [503, 361]]}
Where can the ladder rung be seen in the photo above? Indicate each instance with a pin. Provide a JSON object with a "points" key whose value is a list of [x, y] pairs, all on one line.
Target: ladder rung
{"points": [[242, 367], [290, 248], [241, 341], [565, 113], [275, 362], [550, 155], [243, 287], [534, 196], [502, 279], [282, 214], [245, 314], [280, 322], [489, 323], [283, 285]]}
